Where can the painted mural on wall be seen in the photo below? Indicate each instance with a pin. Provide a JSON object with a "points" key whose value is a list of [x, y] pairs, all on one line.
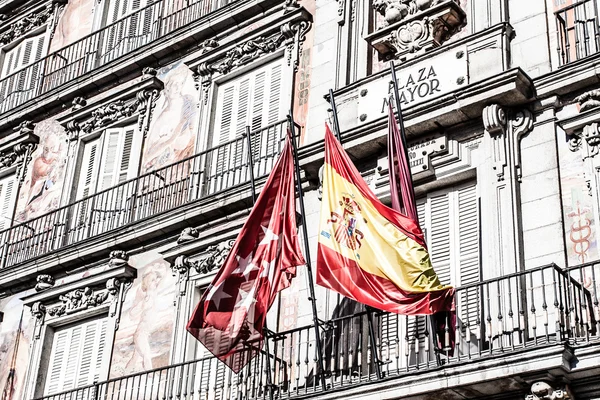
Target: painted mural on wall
{"points": [[143, 340], [172, 133], [15, 337], [74, 23], [578, 211], [44, 181]]}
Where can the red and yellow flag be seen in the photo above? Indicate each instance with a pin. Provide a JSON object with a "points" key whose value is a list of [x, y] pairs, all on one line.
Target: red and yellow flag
{"points": [[370, 252]]}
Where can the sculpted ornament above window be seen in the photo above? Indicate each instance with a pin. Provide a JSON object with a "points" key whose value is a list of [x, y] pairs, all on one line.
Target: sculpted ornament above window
{"points": [[412, 27]]}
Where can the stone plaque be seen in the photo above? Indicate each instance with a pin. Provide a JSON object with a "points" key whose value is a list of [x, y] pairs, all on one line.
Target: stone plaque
{"points": [[417, 83], [419, 152]]}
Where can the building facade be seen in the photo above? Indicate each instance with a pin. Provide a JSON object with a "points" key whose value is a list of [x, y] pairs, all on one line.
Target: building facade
{"points": [[126, 129]]}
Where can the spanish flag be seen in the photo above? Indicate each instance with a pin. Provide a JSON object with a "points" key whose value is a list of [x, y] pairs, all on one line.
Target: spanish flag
{"points": [[370, 252]]}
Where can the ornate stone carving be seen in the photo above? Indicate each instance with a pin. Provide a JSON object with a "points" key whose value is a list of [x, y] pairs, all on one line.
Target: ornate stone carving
{"points": [[208, 45], [109, 113], [149, 72], [25, 25], [38, 310], [21, 152], [414, 26], [7, 159], [215, 256], [24, 128], [78, 103], [589, 100], [44, 282], [188, 234], [118, 258], [396, 10], [78, 300], [543, 391], [249, 51], [591, 134]]}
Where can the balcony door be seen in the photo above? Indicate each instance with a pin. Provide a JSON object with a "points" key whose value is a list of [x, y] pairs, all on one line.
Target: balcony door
{"points": [[103, 202], [17, 82], [258, 100], [129, 24]]}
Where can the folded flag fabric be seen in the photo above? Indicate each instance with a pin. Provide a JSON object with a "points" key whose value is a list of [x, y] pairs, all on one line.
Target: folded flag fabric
{"points": [[370, 252], [231, 315]]}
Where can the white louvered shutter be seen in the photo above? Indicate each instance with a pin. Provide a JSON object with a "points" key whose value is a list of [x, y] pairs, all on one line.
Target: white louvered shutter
{"points": [[88, 172], [78, 357], [440, 235], [120, 156], [7, 194], [256, 100], [17, 59]]}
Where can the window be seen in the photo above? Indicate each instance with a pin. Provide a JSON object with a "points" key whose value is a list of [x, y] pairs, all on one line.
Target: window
{"points": [[450, 219], [7, 191], [17, 59], [79, 356], [106, 162], [255, 100], [109, 160]]}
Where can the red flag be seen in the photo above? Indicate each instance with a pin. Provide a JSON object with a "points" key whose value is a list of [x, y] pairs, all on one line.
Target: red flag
{"points": [[230, 316], [403, 200]]}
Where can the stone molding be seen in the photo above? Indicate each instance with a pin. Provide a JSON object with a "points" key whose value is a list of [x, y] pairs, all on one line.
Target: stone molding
{"points": [[544, 391], [414, 26]]}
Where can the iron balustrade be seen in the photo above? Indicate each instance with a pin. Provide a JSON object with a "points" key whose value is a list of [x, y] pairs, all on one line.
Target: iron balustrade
{"points": [[578, 31], [211, 171], [524, 311], [99, 48]]}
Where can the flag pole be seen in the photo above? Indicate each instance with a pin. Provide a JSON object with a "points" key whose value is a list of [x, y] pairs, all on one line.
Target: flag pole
{"points": [[253, 188], [311, 284], [400, 117], [338, 135], [400, 120]]}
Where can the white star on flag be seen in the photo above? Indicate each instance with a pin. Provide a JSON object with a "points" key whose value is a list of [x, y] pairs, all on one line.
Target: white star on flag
{"points": [[245, 266], [269, 270], [246, 299], [270, 236], [216, 295]]}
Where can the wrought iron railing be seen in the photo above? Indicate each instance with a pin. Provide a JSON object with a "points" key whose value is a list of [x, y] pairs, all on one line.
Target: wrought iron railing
{"points": [[578, 31], [528, 310], [158, 191], [101, 47]]}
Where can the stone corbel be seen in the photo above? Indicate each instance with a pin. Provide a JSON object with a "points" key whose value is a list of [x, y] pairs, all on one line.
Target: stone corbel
{"points": [[544, 391], [188, 234], [18, 152], [506, 132], [118, 258]]}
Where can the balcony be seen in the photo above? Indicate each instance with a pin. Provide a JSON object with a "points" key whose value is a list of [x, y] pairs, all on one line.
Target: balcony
{"points": [[506, 322], [205, 174], [578, 31], [110, 43]]}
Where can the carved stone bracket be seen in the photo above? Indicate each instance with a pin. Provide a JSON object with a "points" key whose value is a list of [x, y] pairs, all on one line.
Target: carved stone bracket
{"points": [[26, 24], [118, 258], [506, 132], [589, 100], [414, 26], [44, 282], [20, 153], [543, 391], [188, 234]]}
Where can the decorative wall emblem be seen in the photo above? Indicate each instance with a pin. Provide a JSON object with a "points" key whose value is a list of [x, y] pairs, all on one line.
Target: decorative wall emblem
{"points": [[414, 26], [26, 24], [78, 103]]}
